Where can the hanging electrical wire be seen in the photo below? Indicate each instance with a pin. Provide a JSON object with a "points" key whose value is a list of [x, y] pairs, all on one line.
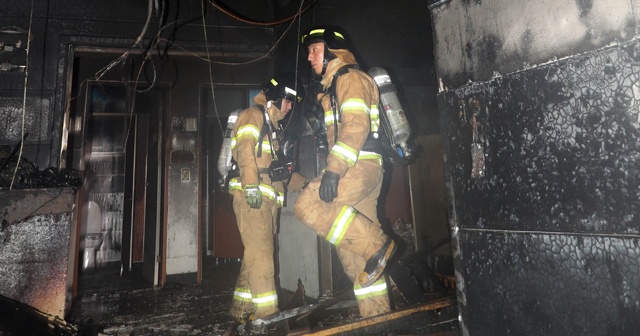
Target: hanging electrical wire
{"points": [[213, 95], [258, 59], [297, 15], [222, 41], [158, 39], [259, 23], [24, 97], [146, 57], [297, 59], [136, 43]]}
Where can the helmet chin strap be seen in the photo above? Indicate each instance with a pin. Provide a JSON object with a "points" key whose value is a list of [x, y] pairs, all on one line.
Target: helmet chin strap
{"points": [[325, 59], [325, 62]]}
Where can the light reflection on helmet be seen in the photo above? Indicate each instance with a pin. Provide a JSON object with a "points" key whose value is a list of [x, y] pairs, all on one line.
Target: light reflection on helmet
{"points": [[284, 86], [330, 37]]}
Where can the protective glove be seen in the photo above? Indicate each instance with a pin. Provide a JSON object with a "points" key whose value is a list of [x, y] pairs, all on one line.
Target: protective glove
{"points": [[253, 195], [329, 186]]}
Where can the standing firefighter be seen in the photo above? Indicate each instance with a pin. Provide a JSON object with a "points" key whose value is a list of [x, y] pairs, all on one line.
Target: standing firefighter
{"points": [[257, 195], [340, 205]]}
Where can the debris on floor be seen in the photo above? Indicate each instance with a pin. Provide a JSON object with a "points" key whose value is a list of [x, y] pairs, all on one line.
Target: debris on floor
{"points": [[437, 315], [27, 175], [17, 318], [124, 305]]}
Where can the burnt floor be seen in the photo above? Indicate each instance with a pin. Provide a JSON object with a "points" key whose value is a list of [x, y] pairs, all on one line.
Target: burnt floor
{"points": [[109, 303], [114, 304]]}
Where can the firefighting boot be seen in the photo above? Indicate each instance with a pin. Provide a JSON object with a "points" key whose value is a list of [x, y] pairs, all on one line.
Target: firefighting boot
{"points": [[242, 312], [242, 318], [374, 267]]}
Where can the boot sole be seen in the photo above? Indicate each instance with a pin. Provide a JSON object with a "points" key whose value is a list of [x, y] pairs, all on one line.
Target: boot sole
{"points": [[366, 278]]}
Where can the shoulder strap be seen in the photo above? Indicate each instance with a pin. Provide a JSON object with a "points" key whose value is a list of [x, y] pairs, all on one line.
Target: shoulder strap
{"points": [[343, 70], [264, 130], [333, 96]]}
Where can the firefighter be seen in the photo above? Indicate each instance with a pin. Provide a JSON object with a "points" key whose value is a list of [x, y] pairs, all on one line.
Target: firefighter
{"points": [[257, 196], [340, 204]]}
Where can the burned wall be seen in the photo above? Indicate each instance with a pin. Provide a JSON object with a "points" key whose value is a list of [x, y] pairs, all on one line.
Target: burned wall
{"points": [[475, 40], [37, 78], [543, 169], [35, 226]]}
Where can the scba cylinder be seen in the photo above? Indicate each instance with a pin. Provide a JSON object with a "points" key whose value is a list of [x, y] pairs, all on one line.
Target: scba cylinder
{"points": [[224, 160], [401, 131]]}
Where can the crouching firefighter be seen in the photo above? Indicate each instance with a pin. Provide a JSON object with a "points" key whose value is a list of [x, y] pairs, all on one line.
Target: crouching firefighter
{"points": [[340, 204], [258, 193]]}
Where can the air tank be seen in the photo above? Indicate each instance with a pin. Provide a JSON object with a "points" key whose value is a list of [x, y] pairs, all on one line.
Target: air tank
{"points": [[224, 160], [400, 129]]}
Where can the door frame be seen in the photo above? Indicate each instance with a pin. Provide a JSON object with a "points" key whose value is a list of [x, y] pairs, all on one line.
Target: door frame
{"points": [[71, 124]]}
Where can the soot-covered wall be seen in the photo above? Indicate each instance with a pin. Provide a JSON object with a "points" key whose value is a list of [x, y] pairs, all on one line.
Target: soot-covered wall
{"points": [[56, 27], [548, 235], [542, 165]]}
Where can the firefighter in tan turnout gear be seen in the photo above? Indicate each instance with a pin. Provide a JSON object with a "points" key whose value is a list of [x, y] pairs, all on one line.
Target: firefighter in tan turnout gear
{"points": [[340, 205], [257, 195]]}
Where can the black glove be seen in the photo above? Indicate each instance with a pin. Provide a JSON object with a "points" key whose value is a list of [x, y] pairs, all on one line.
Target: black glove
{"points": [[329, 186]]}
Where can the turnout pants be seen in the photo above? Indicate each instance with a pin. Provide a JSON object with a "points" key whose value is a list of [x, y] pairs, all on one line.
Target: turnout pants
{"points": [[350, 223], [255, 291]]}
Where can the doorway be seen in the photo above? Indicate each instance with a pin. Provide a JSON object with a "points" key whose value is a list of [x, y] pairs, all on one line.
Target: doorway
{"points": [[116, 142], [221, 235]]}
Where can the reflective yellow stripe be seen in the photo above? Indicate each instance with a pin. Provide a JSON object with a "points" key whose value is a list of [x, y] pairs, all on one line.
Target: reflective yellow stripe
{"points": [[328, 118], [374, 114], [341, 224], [315, 31], [364, 155], [234, 141], [348, 154], [320, 31], [354, 105], [378, 288], [242, 294], [234, 184], [266, 146], [265, 299], [266, 190], [248, 130]]}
